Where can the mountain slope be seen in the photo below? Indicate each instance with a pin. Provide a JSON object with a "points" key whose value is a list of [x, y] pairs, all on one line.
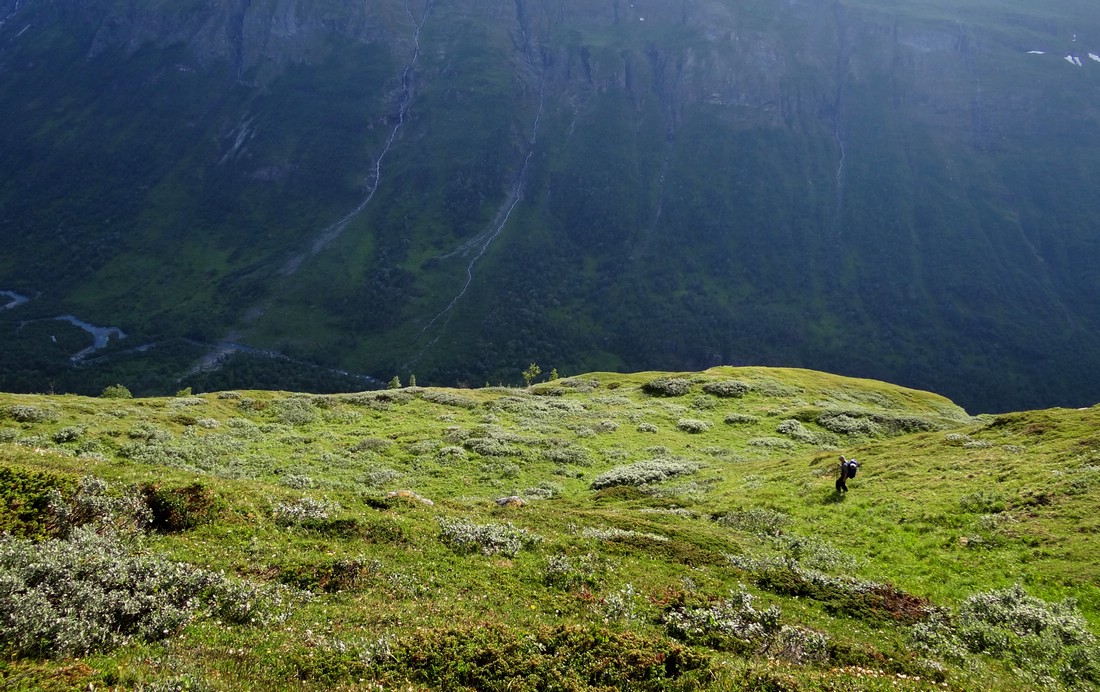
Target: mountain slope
{"points": [[653, 530], [455, 189]]}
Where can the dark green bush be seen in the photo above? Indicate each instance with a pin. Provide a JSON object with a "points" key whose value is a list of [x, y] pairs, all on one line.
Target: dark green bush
{"points": [[25, 501], [327, 577], [667, 386], [116, 391], [563, 657], [179, 509]]}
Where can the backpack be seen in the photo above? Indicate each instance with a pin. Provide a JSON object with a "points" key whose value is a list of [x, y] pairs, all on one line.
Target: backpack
{"points": [[853, 466]]}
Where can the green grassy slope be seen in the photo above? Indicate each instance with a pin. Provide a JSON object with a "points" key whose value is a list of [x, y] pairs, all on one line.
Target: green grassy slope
{"points": [[665, 531]]}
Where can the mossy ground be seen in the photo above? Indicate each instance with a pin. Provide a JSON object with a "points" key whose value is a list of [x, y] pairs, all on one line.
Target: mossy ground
{"points": [[579, 598]]}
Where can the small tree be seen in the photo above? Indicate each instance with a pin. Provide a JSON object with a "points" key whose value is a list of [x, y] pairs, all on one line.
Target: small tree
{"points": [[532, 371], [116, 391], [553, 375], [395, 383], [412, 380]]}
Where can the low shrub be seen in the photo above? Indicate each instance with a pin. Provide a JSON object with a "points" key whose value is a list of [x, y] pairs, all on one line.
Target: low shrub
{"points": [[577, 657], [644, 473], [741, 419], [734, 624], [847, 423], [565, 572], [302, 509], [95, 504], [179, 509], [24, 413], [756, 520], [865, 600], [727, 388], [667, 386], [380, 476], [692, 426], [796, 431], [574, 456], [71, 433], [772, 442], [25, 500], [647, 428], [489, 539], [328, 576], [88, 593], [295, 411]]}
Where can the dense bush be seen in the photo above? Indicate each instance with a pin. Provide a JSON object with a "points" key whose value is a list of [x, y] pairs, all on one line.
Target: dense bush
{"points": [[734, 624], [1050, 642], [578, 456], [116, 391], [848, 423], [489, 539], [692, 425], [865, 600], [94, 504], [741, 419], [567, 572], [24, 413], [303, 509], [644, 473], [179, 509], [727, 388], [25, 500], [756, 520], [667, 386], [328, 576], [445, 398], [295, 411], [86, 593], [796, 431], [494, 657]]}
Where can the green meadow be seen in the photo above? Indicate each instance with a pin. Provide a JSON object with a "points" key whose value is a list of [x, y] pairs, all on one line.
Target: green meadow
{"points": [[654, 531]]}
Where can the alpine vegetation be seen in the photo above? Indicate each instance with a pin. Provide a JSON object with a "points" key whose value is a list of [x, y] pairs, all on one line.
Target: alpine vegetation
{"points": [[644, 473]]}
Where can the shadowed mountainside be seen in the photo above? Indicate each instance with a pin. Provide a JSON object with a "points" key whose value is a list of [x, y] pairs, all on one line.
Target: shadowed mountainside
{"points": [[454, 189]]}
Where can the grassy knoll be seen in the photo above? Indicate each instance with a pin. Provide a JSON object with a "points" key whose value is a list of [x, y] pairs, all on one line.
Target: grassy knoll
{"points": [[655, 531]]}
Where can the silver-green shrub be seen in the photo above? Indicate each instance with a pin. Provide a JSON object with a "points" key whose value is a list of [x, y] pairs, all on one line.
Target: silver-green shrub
{"points": [[692, 425], [759, 521], [488, 539], [303, 509], [644, 473], [1049, 642], [738, 623], [727, 388], [86, 593], [667, 386], [25, 413], [741, 419]]}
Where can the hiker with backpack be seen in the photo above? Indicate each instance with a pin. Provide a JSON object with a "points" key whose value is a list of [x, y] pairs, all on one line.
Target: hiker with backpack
{"points": [[848, 468]]}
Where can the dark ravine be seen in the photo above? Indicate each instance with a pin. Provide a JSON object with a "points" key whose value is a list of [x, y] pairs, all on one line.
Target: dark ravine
{"points": [[904, 193]]}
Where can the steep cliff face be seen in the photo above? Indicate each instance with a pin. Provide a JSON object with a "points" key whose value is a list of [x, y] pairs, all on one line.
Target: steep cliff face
{"points": [[455, 188]]}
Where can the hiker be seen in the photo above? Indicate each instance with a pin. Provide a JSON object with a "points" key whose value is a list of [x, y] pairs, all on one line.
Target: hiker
{"points": [[848, 469]]}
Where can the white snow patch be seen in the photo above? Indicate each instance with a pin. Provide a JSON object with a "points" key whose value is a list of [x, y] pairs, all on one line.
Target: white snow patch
{"points": [[1036, 52], [1069, 59], [1094, 57], [1077, 61]]}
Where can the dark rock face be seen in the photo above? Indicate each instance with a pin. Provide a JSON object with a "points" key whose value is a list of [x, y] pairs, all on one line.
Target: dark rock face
{"points": [[459, 187]]}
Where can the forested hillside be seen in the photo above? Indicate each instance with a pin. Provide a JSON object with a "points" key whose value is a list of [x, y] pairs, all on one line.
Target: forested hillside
{"points": [[278, 193]]}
